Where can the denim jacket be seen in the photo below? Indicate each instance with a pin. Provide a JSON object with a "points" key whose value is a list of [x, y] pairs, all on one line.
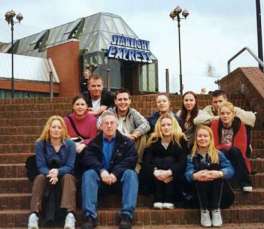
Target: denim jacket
{"points": [[196, 163], [46, 157]]}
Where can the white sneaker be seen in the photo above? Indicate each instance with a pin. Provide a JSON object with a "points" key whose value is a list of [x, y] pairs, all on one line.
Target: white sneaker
{"points": [[69, 221], [168, 205], [247, 189], [158, 205], [217, 218], [33, 221], [205, 218]]}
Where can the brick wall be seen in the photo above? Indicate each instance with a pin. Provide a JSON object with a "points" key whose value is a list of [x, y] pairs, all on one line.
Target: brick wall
{"points": [[248, 83], [65, 58], [29, 86]]}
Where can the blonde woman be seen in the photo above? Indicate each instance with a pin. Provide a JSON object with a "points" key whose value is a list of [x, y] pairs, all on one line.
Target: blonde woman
{"points": [[207, 168], [164, 161], [230, 137], [55, 158]]}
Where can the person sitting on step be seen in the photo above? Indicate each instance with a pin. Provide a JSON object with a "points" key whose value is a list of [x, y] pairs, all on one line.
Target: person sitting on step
{"points": [[110, 161], [164, 106], [81, 128], [210, 113], [130, 122], [207, 168], [97, 98], [164, 161], [186, 114], [55, 158], [230, 137]]}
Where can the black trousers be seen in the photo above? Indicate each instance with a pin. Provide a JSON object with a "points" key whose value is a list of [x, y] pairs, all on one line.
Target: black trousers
{"points": [[209, 193], [241, 173], [164, 192]]}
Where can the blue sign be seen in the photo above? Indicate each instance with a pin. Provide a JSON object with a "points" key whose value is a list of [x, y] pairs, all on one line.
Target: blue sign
{"points": [[129, 49]]}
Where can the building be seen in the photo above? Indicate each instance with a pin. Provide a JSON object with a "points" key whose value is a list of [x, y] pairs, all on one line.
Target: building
{"points": [[104, 40]]}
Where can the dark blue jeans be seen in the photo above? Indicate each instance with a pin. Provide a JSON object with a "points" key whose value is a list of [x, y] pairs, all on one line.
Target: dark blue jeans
{"points": [[90, 185]]}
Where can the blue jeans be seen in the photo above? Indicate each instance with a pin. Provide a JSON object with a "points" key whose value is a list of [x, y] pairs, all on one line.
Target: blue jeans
{"points": [[90, 184]]}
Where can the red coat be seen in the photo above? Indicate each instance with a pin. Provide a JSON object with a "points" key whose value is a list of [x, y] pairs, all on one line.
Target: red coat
{"points": [[239, 141]]}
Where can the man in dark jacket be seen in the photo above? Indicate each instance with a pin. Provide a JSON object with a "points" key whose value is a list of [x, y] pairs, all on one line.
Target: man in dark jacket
{"points": [[97, 98], [109, 159]]}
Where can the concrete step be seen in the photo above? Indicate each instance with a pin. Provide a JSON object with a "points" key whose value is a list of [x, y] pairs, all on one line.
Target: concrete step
{"points": [[149, 216]]}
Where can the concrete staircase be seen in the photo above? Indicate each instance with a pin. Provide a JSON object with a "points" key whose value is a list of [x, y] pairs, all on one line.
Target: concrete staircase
{"points": [[21, 123]]}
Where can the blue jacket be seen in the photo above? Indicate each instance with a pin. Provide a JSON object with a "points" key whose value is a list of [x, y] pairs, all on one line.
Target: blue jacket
{"points": [[224, 165], [124, 155], [46, 156]]}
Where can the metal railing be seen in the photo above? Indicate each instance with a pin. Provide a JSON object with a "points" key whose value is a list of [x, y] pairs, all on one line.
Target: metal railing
{"points": [[260, 62]]}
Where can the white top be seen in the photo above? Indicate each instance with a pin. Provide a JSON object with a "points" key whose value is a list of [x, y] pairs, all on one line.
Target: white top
{"points": [[96, 104]]}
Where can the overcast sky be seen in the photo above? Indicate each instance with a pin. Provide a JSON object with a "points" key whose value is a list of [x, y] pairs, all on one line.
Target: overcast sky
{"points": [[214, 31]]}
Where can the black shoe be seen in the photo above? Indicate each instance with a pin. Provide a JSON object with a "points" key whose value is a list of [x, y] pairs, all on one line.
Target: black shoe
{"points": [[89, 223], [125, 222]]}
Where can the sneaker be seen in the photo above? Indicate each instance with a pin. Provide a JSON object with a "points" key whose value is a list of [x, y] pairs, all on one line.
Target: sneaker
{"points": [[217, 218], [168, 205], [125, 222], [247, 189], [205, 218], [89, 223], [158, 205], [33, 221], [69, 221]]}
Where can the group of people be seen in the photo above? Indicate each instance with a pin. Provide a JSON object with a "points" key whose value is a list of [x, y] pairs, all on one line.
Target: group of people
{"points": [[108, 146]]}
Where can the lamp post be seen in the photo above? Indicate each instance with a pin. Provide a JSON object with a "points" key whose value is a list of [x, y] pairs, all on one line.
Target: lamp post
{"points": [[9, 17], [178, 14], [259, 32]]}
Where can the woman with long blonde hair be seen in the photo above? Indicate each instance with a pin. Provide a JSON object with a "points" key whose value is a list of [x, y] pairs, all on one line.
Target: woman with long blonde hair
{"points": [[230, 137], [164, 161], [206, 169], [55, 158]]}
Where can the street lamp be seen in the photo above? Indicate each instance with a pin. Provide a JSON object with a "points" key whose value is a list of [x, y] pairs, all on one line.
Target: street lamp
{"points": [[9, 17], [178, 14]]}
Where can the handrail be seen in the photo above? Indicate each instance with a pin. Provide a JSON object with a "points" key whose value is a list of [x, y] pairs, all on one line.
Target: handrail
{"points": [[260, 62]]}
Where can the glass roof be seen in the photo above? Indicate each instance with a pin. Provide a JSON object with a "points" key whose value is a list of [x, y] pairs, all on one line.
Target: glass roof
{"points": [[95, 35]]}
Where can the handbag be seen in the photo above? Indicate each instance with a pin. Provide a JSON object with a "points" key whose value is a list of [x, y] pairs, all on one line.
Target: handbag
{"points": [[31, 165]]}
